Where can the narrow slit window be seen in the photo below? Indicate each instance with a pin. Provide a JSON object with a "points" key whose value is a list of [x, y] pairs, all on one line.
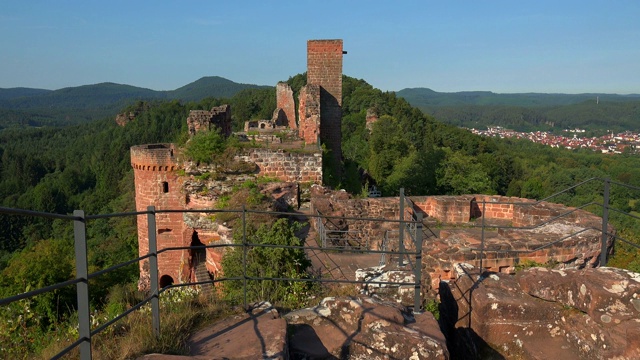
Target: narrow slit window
{"points": [[165, 187]]}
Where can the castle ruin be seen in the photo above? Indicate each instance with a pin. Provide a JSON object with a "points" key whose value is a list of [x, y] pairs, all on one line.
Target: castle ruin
{"points": [[161, 181]]}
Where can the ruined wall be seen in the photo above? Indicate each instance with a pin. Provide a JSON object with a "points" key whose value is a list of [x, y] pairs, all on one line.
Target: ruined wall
{"points": [[284, 100], [538, 224], [202, 120], [341, 204], [324, 68], [157, 184], [309, 111], [371, 118], [285, 165]]}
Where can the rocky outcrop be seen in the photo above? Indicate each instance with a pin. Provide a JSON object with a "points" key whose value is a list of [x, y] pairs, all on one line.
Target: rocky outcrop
{"points": [[363, 328], [401, 290], [542, 314]]}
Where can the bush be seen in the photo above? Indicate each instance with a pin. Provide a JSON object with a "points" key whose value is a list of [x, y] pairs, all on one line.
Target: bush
{"points": [[204, 146]]}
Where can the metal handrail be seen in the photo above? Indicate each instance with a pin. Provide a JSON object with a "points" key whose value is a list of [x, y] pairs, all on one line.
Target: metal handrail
{"points": [[85, 333]]}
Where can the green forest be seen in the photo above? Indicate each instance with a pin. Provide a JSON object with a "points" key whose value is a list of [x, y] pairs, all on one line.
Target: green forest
{"points": [[62, 168]]}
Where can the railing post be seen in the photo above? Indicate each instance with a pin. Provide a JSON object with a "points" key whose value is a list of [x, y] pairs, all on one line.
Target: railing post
{"points": [[153, 270], [82, 288], [605, 222], [417, 296], [482, 237], [244, 256], [401, 229]]}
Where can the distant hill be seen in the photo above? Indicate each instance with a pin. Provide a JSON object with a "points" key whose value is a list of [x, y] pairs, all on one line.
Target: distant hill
{"points": [[209, 86], [424, 97], [529, 111], [15, 93], [89, 102]]}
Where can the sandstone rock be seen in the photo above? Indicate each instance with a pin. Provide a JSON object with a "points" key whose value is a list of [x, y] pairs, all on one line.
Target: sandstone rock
{"points": [[541, 313], [402, 293], [261, 334], [364, 328]]}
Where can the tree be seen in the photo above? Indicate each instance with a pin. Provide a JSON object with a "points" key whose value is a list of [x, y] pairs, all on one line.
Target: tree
{"points": [[462, 174], [269, 262]]}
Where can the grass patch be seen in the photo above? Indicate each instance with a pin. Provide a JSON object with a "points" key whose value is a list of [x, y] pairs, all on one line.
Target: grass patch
{"points": [[181, 315]]}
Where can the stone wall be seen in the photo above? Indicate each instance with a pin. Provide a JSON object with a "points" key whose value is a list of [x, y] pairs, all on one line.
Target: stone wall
{"points": [[341, 204], [324, 68], [538, 225], [285, 165], [284, 100], [202, 120], [309, 112]]}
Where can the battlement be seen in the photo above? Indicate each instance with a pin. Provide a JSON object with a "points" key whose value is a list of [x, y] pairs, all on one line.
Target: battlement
{"points": [[154, 157]]}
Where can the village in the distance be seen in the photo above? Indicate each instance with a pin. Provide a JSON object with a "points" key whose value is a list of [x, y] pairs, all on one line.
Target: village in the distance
{"points": [[624, 142]]}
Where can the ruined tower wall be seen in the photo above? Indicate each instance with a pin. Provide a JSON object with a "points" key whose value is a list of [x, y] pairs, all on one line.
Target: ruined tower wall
{"points": [[324, 68], [284, 99], [157, 184], [309, 112]]}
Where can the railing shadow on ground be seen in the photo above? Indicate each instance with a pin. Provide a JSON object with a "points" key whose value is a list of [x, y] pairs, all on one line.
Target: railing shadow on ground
{"points": [[85, 333]]}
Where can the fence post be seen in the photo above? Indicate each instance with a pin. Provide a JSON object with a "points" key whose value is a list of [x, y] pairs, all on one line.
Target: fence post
{"points": [[401, 229], [605, 222], [244, 256], [482, 238], [417, 295], [153, 270], [82, 288]]}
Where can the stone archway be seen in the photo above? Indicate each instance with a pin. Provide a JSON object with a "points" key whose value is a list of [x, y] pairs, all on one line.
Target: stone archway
{"points": [[165, 280]]}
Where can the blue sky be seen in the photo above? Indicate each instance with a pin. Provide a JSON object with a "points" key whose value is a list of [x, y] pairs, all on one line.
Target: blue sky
{"points": [[561, 46]]}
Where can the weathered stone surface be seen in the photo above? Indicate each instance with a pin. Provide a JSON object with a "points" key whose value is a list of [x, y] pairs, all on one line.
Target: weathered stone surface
{"points": [[218, 118], [541, 314], [364, 328], [261, 334], [309, 113], [607, 295], [402, 293], [284, 100]]}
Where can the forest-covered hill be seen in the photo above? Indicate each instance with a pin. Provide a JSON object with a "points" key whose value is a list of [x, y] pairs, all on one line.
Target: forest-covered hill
{"points": [[424, 97], [527, 112], [75, 105]]}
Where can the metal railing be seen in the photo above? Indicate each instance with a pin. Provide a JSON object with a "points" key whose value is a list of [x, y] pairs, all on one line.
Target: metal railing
{"points": [[81, 281]]}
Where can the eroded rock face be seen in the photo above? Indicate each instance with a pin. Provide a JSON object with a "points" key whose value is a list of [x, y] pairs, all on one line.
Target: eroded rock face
{"points": [[541, 313], [364, 328], [402, 293]]}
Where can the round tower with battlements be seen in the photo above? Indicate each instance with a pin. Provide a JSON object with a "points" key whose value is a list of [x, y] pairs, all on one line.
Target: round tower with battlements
{"points": [[157, 183]]}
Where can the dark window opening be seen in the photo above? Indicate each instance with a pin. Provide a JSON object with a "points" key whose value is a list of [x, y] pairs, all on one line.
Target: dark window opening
{"points": [[165, 187], [165, 280]]}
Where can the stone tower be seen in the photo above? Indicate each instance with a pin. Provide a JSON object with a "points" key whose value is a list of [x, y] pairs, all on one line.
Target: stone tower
{"points": [[157, 184], [324, 68]]}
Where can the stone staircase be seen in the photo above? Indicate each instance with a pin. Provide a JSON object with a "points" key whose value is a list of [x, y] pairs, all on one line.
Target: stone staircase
{"points": [[202, 274]]}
